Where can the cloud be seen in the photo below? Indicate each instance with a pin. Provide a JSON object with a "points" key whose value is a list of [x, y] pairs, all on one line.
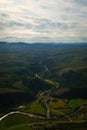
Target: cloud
{"points": [[80, 2], [43, 20]]}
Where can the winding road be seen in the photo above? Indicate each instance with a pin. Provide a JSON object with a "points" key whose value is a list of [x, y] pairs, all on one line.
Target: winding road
{"points": [[47, 106], [19, 112]]}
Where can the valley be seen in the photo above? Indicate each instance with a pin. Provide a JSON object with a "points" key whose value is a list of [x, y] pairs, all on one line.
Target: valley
{"points": [[43, 85]]}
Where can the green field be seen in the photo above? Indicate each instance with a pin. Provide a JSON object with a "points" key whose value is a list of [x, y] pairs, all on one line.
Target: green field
{"points": [[37, 108]]}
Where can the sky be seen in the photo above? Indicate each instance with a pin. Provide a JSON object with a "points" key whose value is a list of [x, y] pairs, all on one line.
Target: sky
{"points": [[43, 20]]}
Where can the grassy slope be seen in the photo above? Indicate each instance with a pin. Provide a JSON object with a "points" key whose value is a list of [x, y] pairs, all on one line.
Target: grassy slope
{"points": [[17, 121]]}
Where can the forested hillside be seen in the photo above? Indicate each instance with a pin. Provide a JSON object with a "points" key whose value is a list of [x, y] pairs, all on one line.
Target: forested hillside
{"points": [[26, 68]]}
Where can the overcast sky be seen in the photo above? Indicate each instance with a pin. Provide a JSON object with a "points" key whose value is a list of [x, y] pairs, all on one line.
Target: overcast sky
{"points": [[43, 20]]}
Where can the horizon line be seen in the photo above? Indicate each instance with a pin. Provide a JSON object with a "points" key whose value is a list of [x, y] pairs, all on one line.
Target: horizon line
{"points": [[25, 42]]}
